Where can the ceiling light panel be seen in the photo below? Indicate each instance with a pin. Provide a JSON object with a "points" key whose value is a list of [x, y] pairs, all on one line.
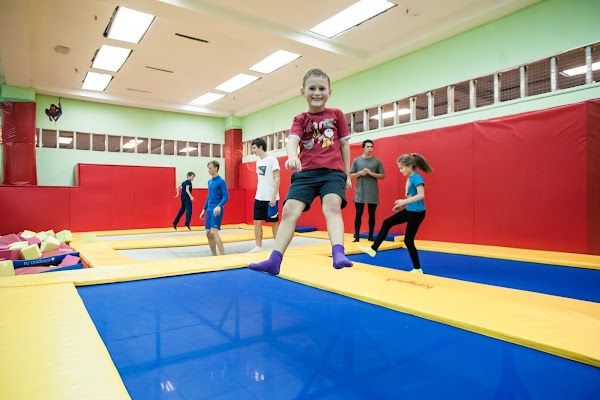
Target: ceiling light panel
{"points": [[206, 99], [352, 16], [274, 61], [236, 83], [96, 81], [110, 58], [128, 25]]}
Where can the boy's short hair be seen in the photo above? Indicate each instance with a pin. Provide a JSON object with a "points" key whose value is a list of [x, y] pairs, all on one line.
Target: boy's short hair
{"points": [[215, 164], [190, 174], [367, 141], [315, 72], [259, 142]]}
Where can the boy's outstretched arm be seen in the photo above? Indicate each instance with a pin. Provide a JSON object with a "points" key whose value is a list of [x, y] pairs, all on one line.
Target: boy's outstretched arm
{"points": [[293, 162], [345, 148]]}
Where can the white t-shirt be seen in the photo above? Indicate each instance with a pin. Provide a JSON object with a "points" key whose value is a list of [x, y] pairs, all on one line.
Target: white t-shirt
{"points": [[266, 181]]}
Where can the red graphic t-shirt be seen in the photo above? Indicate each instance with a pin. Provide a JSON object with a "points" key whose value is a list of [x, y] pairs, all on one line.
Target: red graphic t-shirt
{"points": [[320, 138]]}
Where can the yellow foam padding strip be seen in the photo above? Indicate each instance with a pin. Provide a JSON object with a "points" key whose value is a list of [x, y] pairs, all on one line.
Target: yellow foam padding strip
{"points": [[508, 253], [564, 327], [325, 235], [50, 347], [77, 235]]}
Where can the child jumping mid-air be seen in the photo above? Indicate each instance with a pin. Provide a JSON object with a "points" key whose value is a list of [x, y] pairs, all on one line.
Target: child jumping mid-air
{"points": [[413, 214], [322, 169]]}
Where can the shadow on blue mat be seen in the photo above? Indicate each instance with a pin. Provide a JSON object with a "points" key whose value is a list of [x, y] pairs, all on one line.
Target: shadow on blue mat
{"points": [[576, 283]]}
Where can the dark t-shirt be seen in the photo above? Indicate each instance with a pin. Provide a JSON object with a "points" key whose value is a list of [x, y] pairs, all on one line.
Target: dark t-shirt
{"points": [[184, 184]]}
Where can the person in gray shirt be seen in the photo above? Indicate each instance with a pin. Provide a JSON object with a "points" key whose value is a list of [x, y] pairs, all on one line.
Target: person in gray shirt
{"points": [[366, 169]]}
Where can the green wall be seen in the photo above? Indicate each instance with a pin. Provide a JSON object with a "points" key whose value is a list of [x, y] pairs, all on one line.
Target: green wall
{"points": [[544, 29]]}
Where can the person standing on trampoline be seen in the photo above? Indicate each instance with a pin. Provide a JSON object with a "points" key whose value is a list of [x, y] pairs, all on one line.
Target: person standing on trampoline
{"points": [[266, 200], [366, 169], [413, 214], [214, 207], [321, 169], [186, 201]]}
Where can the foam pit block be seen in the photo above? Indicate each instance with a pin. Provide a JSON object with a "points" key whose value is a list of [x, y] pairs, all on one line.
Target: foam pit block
{"points": [[33, 240], [9, 239], [26, 234], [41, 235], [18, 245], [303, 229], [88, 237], [50, 232], [64, 236], [69, 260], [31, 252], [51, 243], [10, 254], [65, 247], [6, 268], [52, 260]]}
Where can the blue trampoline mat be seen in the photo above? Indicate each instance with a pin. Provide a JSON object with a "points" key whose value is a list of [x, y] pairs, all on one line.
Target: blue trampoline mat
{"points": [[575, 283], [240, 335]]}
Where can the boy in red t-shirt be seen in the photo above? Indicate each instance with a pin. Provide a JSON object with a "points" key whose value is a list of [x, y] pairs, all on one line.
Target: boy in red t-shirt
{"points": [[322, 169]]}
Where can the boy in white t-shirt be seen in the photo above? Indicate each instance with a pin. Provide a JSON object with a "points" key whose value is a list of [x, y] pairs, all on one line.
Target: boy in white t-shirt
{"points": [[266, 201]]}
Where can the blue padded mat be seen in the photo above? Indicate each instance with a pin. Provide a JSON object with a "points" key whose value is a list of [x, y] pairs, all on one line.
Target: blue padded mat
{"points": [[239, 334], [576, 283]]}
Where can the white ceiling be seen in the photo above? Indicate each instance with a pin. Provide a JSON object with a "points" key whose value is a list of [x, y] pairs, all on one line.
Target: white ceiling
{"points": [[239, 34]]}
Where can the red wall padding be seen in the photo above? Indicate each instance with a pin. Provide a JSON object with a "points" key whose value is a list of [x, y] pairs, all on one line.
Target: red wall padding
{"points": [[18, 143], [530, 180], [593, 178], [108, 197]]}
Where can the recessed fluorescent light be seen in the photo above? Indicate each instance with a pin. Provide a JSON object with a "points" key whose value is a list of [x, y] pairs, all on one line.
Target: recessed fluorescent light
{"points": [[65, 140], [206, 99], [188, 149], [390, 114], [96, 81], [132, 143], [580, 70], [236, 83], [128, 25], [110, 58], [352, 16], [274, 61]]}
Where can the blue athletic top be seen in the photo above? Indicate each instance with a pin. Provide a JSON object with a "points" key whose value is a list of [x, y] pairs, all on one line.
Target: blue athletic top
{"points": [[184, 184], [217, 193], [411, 190]]}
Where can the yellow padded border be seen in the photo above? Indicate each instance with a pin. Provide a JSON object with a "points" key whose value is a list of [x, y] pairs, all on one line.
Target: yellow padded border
{"points": [[50, 347], [561, 326]]}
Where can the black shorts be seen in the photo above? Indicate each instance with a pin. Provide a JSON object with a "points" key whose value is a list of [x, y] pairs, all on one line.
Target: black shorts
{"points": [[306, 185], [261, 212]]}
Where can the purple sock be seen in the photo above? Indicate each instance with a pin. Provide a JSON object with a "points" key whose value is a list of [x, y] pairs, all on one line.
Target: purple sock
{"points": [[339, 258], [270, 266]]}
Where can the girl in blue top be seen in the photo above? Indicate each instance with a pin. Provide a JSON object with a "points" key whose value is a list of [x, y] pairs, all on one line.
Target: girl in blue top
{"points": [[413, 214]]}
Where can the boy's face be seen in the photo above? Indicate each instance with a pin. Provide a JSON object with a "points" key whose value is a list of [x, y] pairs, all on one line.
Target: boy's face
{"points": [[212, 171], [191, 177], [316, 91]]}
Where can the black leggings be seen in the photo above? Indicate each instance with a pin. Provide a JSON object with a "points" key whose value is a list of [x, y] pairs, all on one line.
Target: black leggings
{"points": [[360, 208], [413, 219]]}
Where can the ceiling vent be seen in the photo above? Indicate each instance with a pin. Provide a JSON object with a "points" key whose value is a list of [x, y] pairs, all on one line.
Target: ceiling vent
{"points": [[61, 50]]}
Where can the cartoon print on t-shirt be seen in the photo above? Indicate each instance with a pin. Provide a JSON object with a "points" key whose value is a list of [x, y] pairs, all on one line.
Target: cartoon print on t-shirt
{"points": [[407, 195], [322, 133], [261, 170]]}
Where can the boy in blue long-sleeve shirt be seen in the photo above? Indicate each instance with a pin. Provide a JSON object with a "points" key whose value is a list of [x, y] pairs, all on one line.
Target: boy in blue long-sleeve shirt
{"points": [[214, 207]]}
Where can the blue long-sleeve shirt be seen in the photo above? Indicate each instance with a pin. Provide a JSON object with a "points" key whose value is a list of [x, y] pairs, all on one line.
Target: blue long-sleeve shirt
{"points": [[217, 193]]}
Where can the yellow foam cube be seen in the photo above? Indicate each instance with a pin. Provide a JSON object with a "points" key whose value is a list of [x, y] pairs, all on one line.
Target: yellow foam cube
{"points": [[27, 234], [51, 243], [88, 237], [31, 252], [41, 235], [7, 268], [17, 245], [50, 232], [64, 236]]}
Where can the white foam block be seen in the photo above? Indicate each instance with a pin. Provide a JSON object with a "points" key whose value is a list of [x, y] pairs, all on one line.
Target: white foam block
{"points": [[41, 235], [50, 233], [64, 236], [51, 243], [27, 234], [7, 268], [31, 252], [17, 245]]}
